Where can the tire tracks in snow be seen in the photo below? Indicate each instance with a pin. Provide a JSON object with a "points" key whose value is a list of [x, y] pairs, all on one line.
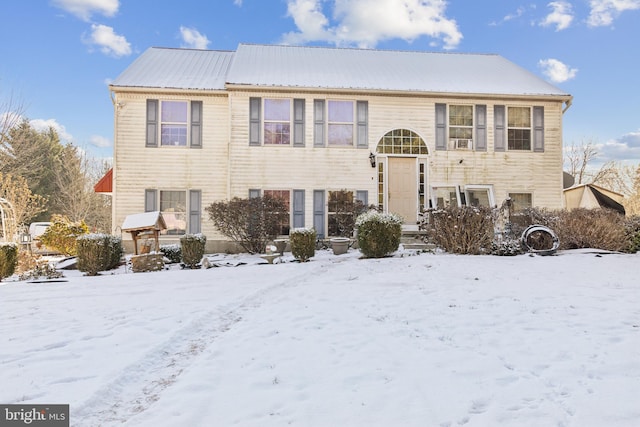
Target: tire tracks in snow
{"points": [[139, 385]]}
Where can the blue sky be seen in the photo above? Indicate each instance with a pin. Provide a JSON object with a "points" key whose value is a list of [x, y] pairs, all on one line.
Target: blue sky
{"points": [[58, 56]]}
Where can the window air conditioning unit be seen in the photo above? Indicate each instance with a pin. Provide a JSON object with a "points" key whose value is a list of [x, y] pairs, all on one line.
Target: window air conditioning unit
{"points": [[463, 144]]}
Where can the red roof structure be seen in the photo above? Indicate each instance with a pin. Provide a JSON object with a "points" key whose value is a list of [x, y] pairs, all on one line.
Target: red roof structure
{"points": [[105, 185]]}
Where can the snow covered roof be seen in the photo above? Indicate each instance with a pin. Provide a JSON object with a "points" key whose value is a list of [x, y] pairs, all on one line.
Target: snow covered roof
{"points": [[275, 66], [177, 69], [144, 221]]}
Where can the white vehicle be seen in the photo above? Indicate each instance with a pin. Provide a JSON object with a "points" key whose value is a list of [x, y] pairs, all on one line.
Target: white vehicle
{"points": [[36, 230]]}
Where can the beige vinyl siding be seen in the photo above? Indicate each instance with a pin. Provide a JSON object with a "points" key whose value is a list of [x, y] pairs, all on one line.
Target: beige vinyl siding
{"points": [[309, 167], [168, 168], [227, 166]]}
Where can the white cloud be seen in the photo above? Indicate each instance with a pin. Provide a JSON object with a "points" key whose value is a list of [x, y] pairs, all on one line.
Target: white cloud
{"points": [[108, 41], [43, 125], [603, 12], [556, 71], [627, 147], [99, 141], [561, 15], [83, 9], [192, 38], [365, 23], [237, 3]]}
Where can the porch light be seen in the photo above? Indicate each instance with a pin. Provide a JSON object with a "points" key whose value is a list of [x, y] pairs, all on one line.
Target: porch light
{"points": [[372, 159]]}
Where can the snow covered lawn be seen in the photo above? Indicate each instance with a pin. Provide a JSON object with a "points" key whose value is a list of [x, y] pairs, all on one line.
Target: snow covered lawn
{"points": [[412, 340]]}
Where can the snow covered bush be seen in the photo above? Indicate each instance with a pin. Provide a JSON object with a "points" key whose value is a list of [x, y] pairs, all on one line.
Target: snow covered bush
{"points": [[62, 234], [172, 252], [8, 259], [378, 233], [252, 222], [506, 247], [98, 252], [303, 243], [461, 230], [192, 249]]}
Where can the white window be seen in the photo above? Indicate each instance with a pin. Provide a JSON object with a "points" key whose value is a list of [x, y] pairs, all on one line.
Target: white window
{"points": [[519, 128], [445, 196], [277, 121], [173, 206], [479, 195], [461, 127], [340, 122], [285, 196], [173, 126]]}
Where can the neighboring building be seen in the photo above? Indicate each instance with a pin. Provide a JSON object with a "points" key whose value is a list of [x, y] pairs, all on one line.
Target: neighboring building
{"points": [[401, 130], [591, 196]]}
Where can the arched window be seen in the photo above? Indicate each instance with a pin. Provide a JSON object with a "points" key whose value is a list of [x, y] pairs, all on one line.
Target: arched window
{"points": [[402, 141]]}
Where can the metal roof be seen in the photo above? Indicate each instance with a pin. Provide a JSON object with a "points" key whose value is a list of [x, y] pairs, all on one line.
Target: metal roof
{"points": [[177, 69], [333, 68]]}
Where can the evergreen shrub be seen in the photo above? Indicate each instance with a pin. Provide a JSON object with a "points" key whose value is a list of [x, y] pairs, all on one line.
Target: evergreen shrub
{"points": [[8, 259], [98, 252], [172, 252], [378, 233], [192, 247], [303, 243]]}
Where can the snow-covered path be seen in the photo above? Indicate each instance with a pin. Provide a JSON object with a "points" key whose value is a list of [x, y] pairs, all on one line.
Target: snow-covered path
{"points": [[428, 340]]}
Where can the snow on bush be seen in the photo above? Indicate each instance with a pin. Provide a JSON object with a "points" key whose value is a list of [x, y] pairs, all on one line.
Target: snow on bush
{"points": [[192, 249], [378, 233], [98, 252], [303, 243]]}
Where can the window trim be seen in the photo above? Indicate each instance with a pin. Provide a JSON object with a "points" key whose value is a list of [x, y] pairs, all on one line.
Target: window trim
{"points": [[265, 191], [353, 123], [264, 121], [152, 199], [480, 187], [451, 145], [154, 123], [433, 189], [186, 212], [508, 128]]}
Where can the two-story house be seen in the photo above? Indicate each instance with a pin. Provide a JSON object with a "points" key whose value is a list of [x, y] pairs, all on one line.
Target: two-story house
{"points": [[401, 130]]}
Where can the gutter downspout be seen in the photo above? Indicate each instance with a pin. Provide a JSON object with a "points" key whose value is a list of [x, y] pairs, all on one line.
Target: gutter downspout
{"points": [[114, 172]]}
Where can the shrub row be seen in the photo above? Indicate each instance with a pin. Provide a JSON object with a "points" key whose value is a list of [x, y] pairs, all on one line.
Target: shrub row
{"points": [[471, 230]]}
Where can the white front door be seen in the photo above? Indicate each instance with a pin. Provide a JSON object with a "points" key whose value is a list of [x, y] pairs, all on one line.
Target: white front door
{"points": [[403, 188]]}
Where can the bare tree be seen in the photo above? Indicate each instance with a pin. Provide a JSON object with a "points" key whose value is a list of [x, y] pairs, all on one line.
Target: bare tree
{"points": [[577, 158], [11, 113], [77, 199], [26, 205], [615, 176]]}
